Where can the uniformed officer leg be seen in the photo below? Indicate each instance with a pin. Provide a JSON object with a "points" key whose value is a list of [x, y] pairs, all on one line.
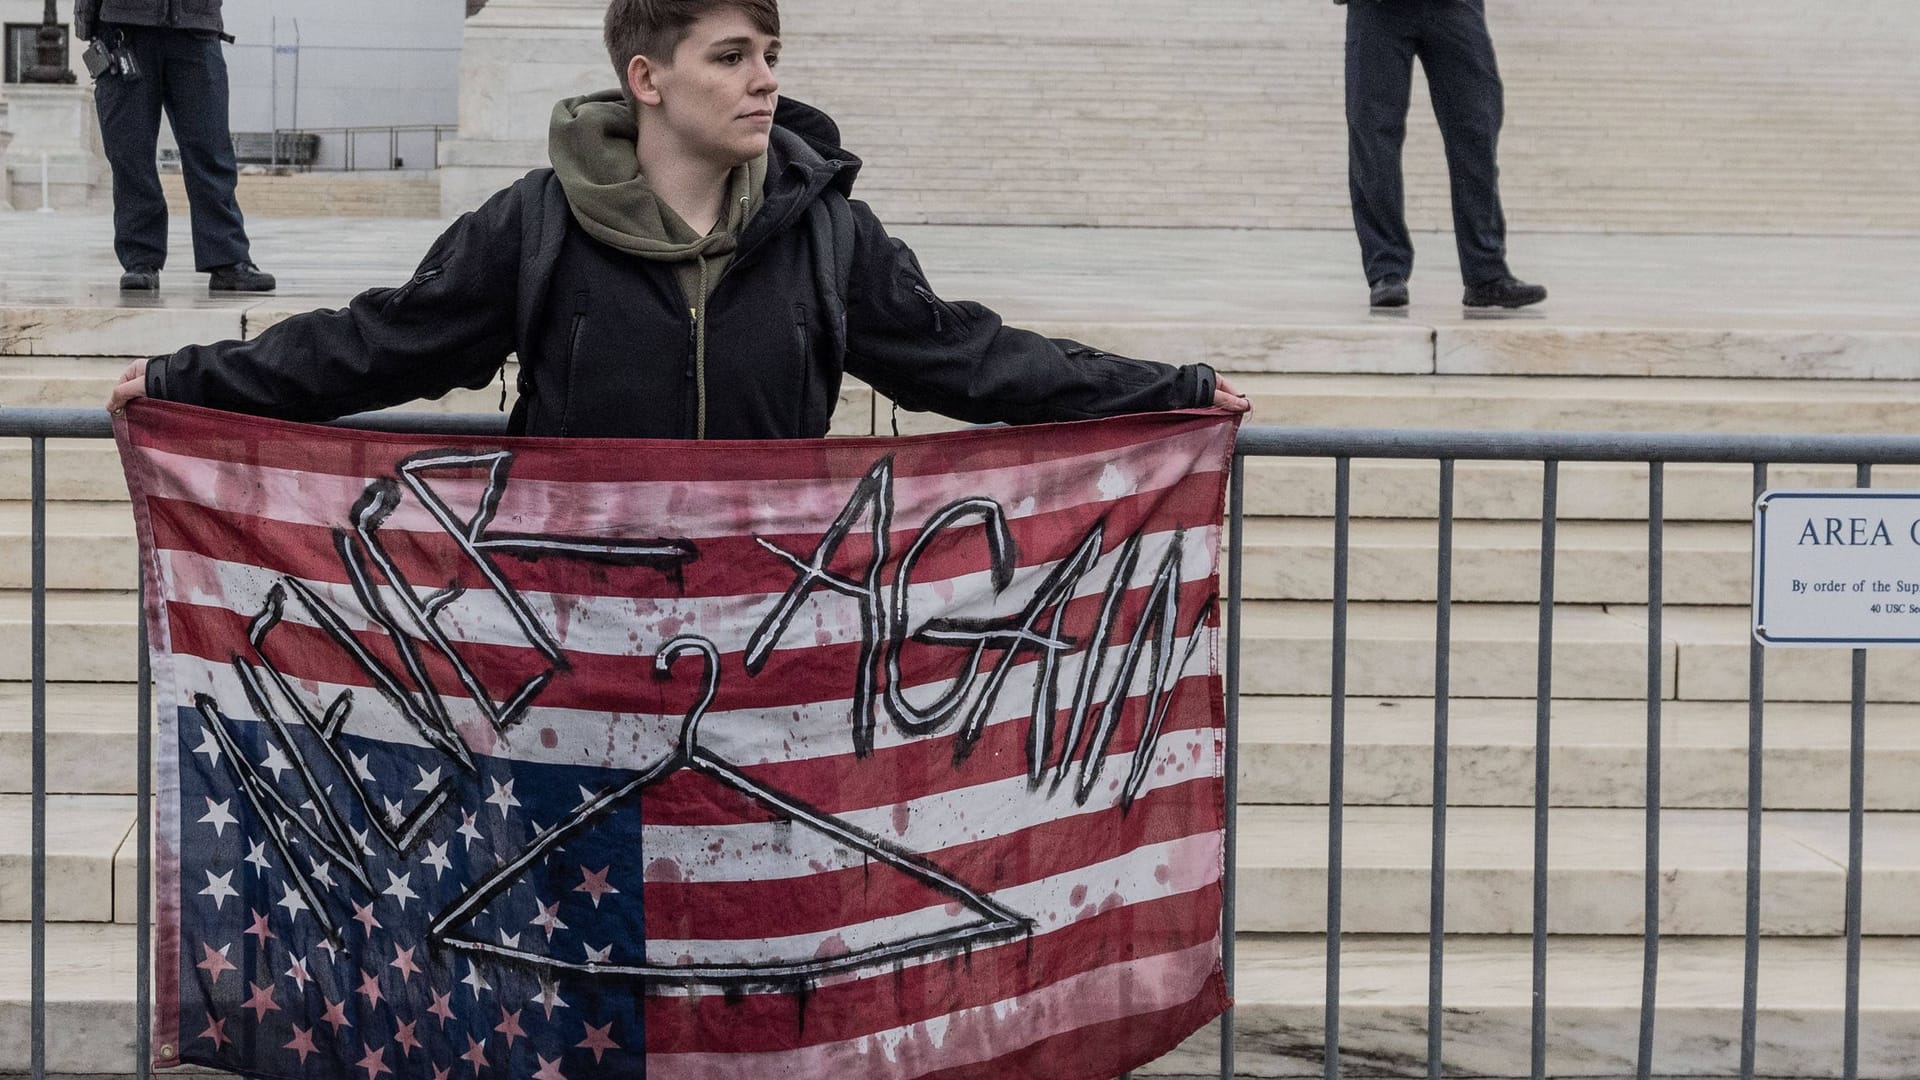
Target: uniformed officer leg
{"points": [[129, 111], [1379, 80], [196, 98], [1457, 53]]}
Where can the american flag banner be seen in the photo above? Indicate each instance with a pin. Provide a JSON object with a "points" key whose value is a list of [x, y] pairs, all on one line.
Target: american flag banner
{"points": [[550, 759]]}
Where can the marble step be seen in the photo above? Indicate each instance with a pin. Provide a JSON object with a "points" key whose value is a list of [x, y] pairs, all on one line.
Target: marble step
{"points": [[1595, 877], [1577, 403], [90, 545], [1511, 491], [90, 635], [1593, 1008], [91, 743], [84, 834], [1599, 651], [1594, 562], [83, 382], [1599, 753], [86, 470]]}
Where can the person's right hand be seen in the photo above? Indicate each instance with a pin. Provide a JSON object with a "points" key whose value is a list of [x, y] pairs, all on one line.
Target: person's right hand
{"points": [[133, 384]]}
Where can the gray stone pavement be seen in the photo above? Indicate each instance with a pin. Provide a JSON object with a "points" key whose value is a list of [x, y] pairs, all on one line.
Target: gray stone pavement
{"points": [[1243, 278]]}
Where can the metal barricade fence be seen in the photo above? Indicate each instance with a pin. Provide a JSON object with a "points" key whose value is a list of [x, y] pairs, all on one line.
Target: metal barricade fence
{"points": [[1342, 447]]}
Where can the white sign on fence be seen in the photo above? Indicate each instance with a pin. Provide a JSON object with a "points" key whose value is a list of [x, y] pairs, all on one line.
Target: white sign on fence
{"points": [[1837, 568]]}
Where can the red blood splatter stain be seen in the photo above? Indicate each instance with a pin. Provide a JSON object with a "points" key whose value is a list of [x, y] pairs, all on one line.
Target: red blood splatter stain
{"points": [[901, 812], [953, 908], [1078, 896], [549, 738], [716, 845], [1162, 874], [1111, 902], [663, 870], [1196, 751], [833, 946]]}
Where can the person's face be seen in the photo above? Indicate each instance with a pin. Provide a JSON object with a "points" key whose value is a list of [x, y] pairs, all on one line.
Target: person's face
{"points": [[715, 101]]}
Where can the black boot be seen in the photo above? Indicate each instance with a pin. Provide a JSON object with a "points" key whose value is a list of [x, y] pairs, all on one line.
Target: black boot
{"points": [[140, 279], [1389, 292], [240, 277], [1503, 292]]}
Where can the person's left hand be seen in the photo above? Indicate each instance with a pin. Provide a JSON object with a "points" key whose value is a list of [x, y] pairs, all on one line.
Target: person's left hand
{"points": [[1226, 397], [133, 384]]}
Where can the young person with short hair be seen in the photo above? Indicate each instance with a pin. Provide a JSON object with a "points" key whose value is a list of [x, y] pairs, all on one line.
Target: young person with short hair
{"points": [[691, 266]]}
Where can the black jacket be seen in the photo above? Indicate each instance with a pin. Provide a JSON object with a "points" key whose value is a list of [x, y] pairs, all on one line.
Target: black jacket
{"points": [[606, 345], [89, 15]]}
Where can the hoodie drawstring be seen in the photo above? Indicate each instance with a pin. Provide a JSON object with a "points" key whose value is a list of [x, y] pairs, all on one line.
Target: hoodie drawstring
{"points": [[700, 354]]}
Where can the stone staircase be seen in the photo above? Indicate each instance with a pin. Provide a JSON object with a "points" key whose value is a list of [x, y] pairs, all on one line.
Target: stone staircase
{"points": [[1598, 753]]}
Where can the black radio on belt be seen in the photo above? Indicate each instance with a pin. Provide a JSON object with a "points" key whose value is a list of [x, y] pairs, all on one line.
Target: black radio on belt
{"points": [[108, 55]]}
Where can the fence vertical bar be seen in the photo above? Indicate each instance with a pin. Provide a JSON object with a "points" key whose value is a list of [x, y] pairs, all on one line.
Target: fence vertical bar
{"points": [[1236, 528], [1442, 691], [1337, 757], [1756, 716], [1856, 826], [37, 1022], [1656, 573], [1542, 760], [143, 857]]}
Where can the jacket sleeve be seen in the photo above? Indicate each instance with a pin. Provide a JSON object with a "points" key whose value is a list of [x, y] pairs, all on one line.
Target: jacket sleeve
{"points": [[959, 359], [451, 325]]}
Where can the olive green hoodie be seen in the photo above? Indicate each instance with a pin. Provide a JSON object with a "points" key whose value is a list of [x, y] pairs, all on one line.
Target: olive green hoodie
{"points": [[591, 143]]}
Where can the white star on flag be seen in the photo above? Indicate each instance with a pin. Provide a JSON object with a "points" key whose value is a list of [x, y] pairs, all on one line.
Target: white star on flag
{"points": [[437, 858], [276, 763], [475, 980], [395, 812], [468, 830], [257, 855], [549, 998], [398, 889], [219, 888], [291, 900], [219, 817], [360, 767], [323, 872], [598, 956], [298, 972], [502, 796], [549, 919], [428, 780], [511, 941], [210, 747]]}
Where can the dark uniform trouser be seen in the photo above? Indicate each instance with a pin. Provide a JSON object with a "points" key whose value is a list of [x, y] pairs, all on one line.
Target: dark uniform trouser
{"points": [[1450, 38], [182, 72]]}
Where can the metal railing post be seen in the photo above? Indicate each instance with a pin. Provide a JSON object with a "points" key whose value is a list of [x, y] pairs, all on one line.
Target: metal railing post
{"points": [[1756, 772], [37, 1022], [1856, 827], [1542, 762], [1656, 573], [1337, 757], [1236, 541], [1442, 691]]}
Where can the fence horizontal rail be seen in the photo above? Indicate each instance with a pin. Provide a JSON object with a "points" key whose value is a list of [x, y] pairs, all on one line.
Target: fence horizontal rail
{"points": [[1255, 441]]}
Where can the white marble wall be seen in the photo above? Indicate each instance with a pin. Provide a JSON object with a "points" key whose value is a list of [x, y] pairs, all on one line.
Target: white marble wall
{"points": [[54, 155]]}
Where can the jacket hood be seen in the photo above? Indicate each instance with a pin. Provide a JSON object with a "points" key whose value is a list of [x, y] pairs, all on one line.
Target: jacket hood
{"points": [[590, 141]]}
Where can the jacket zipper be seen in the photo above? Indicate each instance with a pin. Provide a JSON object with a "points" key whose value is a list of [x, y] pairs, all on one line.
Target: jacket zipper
{"points": [[421, 278], [933, 304]]}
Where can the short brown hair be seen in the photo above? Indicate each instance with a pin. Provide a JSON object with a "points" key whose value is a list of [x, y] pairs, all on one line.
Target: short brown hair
{"points": [[655, 28]]}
